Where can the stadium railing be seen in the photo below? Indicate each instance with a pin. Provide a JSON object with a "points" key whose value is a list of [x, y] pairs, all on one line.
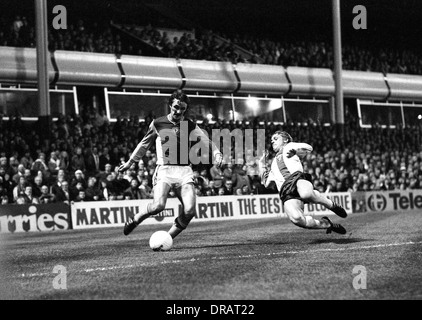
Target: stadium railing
{"points": [[108, 70]]}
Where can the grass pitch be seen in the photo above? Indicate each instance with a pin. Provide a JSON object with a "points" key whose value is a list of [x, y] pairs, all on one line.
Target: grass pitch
{"points": [[264, 259]]}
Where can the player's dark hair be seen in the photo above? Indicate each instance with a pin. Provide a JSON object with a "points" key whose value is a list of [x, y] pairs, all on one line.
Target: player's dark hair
{"points": [[287, 137], [179, 95]]}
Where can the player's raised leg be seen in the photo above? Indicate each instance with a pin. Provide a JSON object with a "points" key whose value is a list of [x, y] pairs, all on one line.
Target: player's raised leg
{"points": [[161, 190], [294, 210], [309, 194], [187, 196]]}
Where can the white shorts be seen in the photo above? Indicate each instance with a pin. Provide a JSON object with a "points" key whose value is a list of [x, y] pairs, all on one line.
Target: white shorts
{"points": [[174, 176]]}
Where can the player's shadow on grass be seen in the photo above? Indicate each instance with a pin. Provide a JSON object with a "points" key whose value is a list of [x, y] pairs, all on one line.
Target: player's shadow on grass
{"points": [[250, 244], [340, 240]]}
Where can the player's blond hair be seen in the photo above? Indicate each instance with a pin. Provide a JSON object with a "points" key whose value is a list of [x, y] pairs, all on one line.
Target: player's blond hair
{"points": [[286, 137]]}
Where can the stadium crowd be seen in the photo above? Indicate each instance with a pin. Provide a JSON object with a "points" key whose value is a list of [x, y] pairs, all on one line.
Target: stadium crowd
{"points": [[101, 37], [78, 160]]}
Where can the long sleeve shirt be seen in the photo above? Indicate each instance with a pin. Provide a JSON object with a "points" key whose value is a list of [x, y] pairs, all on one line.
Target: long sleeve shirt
{"points": [[283, 166], [173, 141]]}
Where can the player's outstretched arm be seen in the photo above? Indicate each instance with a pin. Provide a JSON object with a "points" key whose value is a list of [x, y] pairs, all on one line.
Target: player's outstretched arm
{"points": [[263, 169], [141, 148], [299, 148], [217, 155], [126, 165]]}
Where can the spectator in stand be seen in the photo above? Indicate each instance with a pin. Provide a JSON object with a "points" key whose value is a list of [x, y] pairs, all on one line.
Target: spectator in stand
{"points": [[228, 188], [13, 165], [104, 159], [7, 184], [203, 178], [54, 163], [108, 169], [64, 160], [5, 165], [56, 186], [63, 193], [78, 178], [75, 190], [77, 161], [21, 200], [106, 190], [4, 199], [370, 166], [46, 196], [147, 158], [198, 181], [20, 173], [3, 192], [140, 174], [101, 119], [246, 190], [133, 192], [228, 171], [40, 165], [130, 174], [81, 197], [17, 25], [209, 192], [203, 45], [36, 186], [217, 176], [251, 166], [211, 187], [27, 160], [198, 191], [119, 185], [29, 177], [29, 197], [92, 161], [19, 189], [145, 189], [26, 34], [92, 192], [221, 191], [115, 156], [240, 178]]}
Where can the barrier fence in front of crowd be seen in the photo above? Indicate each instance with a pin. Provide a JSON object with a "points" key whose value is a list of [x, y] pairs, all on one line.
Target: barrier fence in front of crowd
{"points": [[102, 214]]}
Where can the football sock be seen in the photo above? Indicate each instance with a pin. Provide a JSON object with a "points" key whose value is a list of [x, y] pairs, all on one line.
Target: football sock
{"points": [[176, 228], [180, 224], [312, 223], [142, 214], [174, 231]]}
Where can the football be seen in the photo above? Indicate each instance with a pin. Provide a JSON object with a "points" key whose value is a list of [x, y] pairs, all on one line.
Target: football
{"points": [[161, 241]]}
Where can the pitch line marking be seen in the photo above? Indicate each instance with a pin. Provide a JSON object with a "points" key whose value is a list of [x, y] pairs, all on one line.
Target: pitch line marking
{"points": [[99, 269]]}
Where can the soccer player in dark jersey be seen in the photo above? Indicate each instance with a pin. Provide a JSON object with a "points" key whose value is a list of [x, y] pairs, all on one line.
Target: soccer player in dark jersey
{"points": [[295, 187], [172, 136]]}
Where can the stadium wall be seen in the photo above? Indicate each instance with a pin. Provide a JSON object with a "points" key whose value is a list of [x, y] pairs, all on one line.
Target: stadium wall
{"points": [[102, 214], [125, 71]]}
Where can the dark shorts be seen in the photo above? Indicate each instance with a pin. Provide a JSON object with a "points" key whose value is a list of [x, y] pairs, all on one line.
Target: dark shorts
{"points": [[289, 188]]}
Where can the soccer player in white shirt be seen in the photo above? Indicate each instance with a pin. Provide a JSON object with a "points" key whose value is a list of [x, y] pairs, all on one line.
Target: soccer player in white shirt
{"points": [[171, 135], [295, 187]]}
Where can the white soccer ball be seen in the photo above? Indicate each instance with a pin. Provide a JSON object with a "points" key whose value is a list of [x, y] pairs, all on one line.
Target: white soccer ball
{"points": [[161, 241]]}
